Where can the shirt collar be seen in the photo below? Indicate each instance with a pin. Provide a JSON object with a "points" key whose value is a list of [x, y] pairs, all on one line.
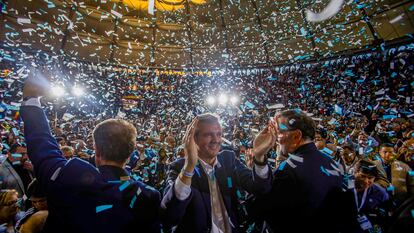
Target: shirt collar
{"points": [[112, 173], [303, 149], [207, 167]]}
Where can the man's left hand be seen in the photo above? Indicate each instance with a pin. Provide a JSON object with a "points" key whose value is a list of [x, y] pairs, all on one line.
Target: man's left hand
{"points": [[264, 141]]}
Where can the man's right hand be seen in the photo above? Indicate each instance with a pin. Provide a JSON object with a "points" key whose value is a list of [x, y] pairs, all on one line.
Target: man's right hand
{"points": [[191, 152], [36, 85]]}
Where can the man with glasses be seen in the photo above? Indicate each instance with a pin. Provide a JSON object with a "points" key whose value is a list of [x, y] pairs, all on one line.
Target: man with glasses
{"points": [[9, 209], [305, 185], [39, 210], [16, 169]]}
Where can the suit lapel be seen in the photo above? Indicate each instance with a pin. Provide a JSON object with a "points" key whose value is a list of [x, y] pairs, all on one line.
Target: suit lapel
{"points": [[200, 182], [13, 172], [225, 183], [221, 176]]}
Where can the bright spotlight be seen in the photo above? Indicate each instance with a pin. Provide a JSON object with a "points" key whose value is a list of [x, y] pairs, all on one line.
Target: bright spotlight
{"points": [[234, 99], [223, 99], [211, 100], [58, 91], [77, 91]]}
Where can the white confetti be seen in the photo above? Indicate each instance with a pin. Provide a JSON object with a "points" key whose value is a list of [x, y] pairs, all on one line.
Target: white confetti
{"points": [[151, 7], [23, 20], [396, 19], [332, 9], [116, 13]]}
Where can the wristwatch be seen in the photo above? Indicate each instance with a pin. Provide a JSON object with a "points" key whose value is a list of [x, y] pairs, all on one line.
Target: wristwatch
{"points": [[264, 163]]}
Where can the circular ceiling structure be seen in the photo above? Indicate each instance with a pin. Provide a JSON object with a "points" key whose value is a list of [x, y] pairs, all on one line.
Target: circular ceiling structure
{"points": [[199, 33]]}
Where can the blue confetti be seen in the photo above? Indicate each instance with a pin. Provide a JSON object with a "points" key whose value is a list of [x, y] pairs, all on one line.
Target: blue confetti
{"points": [[338, 110], [238, 194], [411, 173], [124, 186], [251, 228], [249, 105], [327, 153], [229, 182], [390, 188], [131, 205], [197, 171], [16, 155], [136, 177], [114, 181], [303, 31], [387, 117], [283, 126], [102, 208], [282, 166], [324, 171]]}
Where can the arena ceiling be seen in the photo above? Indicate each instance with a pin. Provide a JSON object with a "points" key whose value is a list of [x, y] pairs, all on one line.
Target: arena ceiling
{"points": [[199, 33]]}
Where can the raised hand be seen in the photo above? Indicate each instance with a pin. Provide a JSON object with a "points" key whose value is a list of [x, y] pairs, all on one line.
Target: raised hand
{"points": [[190, 147], [264, 141], [36, 85], [190, 152]]}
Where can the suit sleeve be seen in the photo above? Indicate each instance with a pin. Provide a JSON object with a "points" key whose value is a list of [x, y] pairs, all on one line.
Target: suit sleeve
{"points": [[249, 180], [282, 195], [381, 179], [42, 147], [173, 209]]}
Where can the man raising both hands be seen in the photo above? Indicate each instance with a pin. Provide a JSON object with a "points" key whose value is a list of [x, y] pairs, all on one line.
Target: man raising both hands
{"points": [[201, 188]]}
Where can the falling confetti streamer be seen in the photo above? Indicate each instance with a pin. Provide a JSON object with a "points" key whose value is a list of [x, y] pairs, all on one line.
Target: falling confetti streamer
{"points": [[332, 9]]}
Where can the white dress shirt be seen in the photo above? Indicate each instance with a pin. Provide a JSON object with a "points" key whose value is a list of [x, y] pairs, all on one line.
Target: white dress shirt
{"points": [[220, 220]]}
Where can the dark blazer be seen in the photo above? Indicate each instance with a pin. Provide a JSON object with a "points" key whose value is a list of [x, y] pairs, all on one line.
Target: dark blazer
{"points": [[194, 214], [375, 208], [304, 190], [82, 198]]}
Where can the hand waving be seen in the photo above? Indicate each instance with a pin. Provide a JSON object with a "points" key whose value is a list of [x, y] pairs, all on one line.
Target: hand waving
{"points": [[190, 147], [264, 141], [36, 85]]}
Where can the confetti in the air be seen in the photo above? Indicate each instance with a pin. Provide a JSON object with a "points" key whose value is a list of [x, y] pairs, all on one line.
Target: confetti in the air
{"points": [[331, 9]]}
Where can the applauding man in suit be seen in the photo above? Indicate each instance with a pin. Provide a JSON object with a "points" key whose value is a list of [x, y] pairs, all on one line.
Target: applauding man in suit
{"points": [[201, 193]]}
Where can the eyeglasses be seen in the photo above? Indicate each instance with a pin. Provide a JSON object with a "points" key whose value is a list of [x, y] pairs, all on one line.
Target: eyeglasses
{"points": [[17, 203]]}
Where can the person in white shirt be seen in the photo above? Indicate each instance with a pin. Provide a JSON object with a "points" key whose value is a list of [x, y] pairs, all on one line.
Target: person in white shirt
{"points": [[201, 192]]}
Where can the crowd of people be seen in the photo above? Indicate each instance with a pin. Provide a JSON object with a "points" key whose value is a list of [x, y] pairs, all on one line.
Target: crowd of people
{"points": [[345, 139]]}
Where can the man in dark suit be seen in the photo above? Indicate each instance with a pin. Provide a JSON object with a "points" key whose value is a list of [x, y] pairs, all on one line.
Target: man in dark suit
{"points": [[82, 198], [305, 185], [201, 192]]}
